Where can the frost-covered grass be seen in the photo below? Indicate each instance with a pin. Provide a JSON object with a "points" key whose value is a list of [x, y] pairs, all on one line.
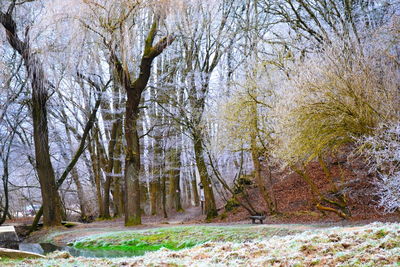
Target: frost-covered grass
{"points": [[176, 238], [376, 244]]}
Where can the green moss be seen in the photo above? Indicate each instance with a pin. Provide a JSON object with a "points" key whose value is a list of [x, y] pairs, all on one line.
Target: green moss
{"points": [[231, 204], [315, 262], [4, 260], [380, 234], [223, 216], [176, 238]]}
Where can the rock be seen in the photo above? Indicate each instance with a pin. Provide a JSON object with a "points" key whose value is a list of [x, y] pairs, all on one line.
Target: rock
{"points": [[70, 224], [17, 254], [346, 245], [60, 255]]}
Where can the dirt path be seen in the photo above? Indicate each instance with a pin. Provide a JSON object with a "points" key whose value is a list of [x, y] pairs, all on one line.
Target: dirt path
{"points": [[186, 216]]}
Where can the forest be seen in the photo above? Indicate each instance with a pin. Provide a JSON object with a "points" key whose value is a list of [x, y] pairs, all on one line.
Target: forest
{"points": [[138, 116]]}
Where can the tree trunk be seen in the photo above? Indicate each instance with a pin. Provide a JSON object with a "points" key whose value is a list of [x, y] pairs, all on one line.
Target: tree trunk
{"points": [[154, 189], [164, 195], [261, 182], [132, 165], [118, 198], [75, 177], [255, 153], [96, 175], [52, 214], [117, 192], [210, 207], [80, 192], [115, 133], [195, 191], [188, 192], [163, 177], [134, 92], [51, 201], [3, 216], [174, 179]]}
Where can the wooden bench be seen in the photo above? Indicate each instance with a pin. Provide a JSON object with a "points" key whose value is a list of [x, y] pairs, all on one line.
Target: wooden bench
{"points": [[257, 217]]}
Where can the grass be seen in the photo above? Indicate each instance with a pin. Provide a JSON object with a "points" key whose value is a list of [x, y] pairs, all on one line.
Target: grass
{"points": [[176, 238], [376, 244]]}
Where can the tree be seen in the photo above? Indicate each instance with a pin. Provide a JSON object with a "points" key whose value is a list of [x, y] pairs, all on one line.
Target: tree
{"points": [[202, 49], [51, 200], [134, 91]]}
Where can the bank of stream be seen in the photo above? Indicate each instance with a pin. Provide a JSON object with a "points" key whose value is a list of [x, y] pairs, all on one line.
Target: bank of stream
{"points": [[131, 243], [47, 248]]}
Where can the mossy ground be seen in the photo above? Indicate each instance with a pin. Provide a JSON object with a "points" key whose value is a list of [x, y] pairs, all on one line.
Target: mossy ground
{"points": [[175, 238]]}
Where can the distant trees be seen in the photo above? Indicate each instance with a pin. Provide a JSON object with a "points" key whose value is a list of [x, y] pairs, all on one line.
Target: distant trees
{"points": [[245, 88], [114, 24]]}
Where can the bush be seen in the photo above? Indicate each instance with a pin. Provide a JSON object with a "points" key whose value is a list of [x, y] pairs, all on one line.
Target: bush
{"points": [[347, 94], [333, 99], [231, 204], [382, 152]]}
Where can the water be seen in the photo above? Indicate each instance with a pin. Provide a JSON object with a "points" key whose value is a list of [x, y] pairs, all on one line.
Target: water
{"points": [[46, 248]]}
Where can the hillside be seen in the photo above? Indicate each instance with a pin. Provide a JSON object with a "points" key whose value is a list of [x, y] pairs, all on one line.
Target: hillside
{"points": [[294, 197]]}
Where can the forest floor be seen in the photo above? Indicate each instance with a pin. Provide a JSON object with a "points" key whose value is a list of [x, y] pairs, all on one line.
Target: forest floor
{"points": [[376, 244], [192, 217], [185, 239], [298, 236]]}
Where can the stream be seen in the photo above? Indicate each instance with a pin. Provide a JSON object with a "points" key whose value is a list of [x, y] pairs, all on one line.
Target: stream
{"points": [[46, 248]]}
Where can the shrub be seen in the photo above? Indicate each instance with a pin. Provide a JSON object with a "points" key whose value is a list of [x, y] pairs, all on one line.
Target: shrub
{"points": [[231, 204], [333, 99], [382, 152]]}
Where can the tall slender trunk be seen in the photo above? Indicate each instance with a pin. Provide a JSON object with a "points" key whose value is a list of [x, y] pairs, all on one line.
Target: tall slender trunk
{"points": [[176, 174], [80, 192], [164, 195], [3, 216], [255, 153], [210, 206], [96, 175], [157, 195], [188, 192], [174, 179], [107, 188], [261, 182], [117, 192], [163, 177], [75, 177], [195, 191], [115, 134], [154, 189]]}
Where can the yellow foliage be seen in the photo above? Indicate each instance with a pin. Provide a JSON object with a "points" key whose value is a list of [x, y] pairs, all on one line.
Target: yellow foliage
{"points": [[334, 98], [246, 114]]}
